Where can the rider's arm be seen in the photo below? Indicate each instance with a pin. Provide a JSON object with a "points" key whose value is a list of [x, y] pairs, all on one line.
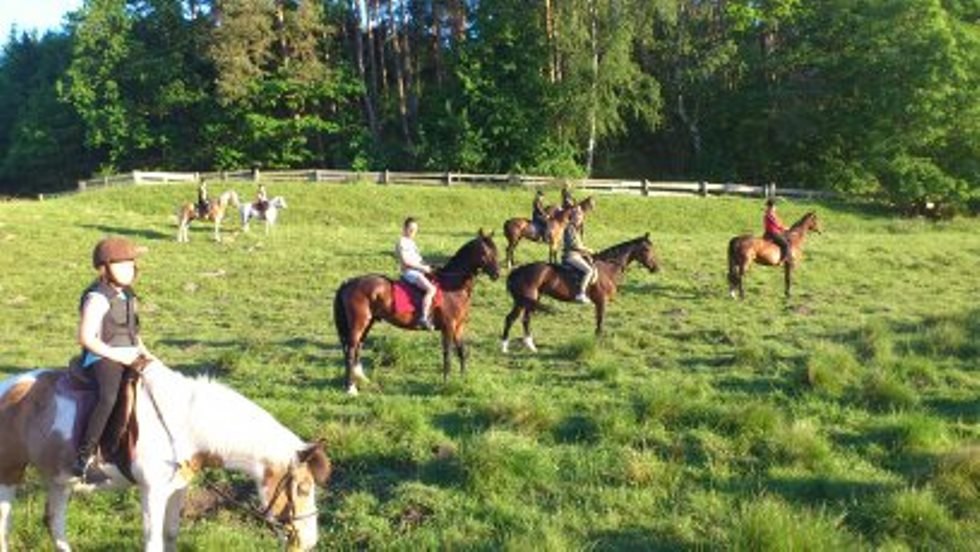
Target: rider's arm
{"points": [[411, 263], [96, 307]]}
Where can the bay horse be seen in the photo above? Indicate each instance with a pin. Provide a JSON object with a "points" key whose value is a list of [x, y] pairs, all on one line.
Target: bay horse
{"points": [[216, 213], [519, 228], [361, 301], [185, 424], [745, 249], [269, 215], [527, 283]]}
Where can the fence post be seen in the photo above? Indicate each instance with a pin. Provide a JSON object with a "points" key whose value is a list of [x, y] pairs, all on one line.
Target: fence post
{"points": [[316, 175], [703, 188], [645, 187], [223, 176], [255, 174], [449, 178], [82, 185], [386, 177], [105, 180]]}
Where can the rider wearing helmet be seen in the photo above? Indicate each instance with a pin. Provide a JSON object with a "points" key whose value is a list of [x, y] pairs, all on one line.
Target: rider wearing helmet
{"points": [[203, 203], [775, 231], [108, 332], [538, 215]]}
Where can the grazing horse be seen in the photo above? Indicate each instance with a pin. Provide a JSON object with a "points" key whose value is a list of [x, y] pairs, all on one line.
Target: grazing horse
{"points": [[188, 212], [362, 300], [519, 228], [746, 249], [269, 215], [527, 283], [185, 424]]}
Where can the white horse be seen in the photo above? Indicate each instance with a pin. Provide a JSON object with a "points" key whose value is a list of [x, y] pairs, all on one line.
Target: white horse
{"points": [[185, 424], [270, 215], [188, 212]]}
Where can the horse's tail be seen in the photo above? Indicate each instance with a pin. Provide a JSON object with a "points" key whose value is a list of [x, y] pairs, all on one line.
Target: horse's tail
{"points": [[733, 261], [340, 317]]}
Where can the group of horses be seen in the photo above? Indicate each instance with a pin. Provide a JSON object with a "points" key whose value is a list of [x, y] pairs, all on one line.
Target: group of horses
{"points": [[188, 424], [215, 213]]}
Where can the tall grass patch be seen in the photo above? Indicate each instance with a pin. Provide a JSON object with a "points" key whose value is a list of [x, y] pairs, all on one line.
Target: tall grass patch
{"points": [[767, 523], [830, 369]]}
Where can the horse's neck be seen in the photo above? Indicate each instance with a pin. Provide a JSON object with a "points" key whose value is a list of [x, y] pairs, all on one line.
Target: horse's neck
{"points": [[616, 265], [797, 234], [215, 420]]}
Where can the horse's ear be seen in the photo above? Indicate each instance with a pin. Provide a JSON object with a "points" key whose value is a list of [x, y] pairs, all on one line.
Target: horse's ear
{"points": [[316, 459], [646, 236], [481, 233]]}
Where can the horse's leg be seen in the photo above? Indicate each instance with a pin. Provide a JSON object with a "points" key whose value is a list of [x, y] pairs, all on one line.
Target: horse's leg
{"points": [[508, 322], [526, 322], [154, 502], [217, 229], [352, 356], [7, 493], [357, 367], [600, 315], [788, 277], [460, 348], [511, 246], [55, 514], [171, 522], [446, 341]]}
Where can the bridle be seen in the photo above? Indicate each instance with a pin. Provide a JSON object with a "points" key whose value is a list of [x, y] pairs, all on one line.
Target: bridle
{"points": [[284, 524]]}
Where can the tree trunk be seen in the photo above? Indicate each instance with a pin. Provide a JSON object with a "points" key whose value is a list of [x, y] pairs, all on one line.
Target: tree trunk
{"points": [[594, 92], [437, 14], [399, 60], [372, 117], [410, 72]]}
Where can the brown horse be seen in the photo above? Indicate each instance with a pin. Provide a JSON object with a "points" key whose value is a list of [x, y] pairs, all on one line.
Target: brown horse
{"points": [[188, 212], [519, 228], [362, 300], [527, 282], [746, 249]]}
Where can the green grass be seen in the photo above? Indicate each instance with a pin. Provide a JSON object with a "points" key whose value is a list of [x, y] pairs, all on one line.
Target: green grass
{"points": [[847, 417]]}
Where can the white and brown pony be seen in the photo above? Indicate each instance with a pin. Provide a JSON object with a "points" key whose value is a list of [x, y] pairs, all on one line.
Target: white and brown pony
{"points": [[184, 424], [269, 215], [216, 213]]}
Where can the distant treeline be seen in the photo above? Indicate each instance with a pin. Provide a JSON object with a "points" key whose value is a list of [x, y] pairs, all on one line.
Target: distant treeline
{"points": [[876, 97]]}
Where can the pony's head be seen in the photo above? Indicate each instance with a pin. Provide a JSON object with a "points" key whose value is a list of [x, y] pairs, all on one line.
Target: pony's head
{"points": [[587, 205], [487, 254], [645, 255], [279, 202], [289, 498], [810, 222]]}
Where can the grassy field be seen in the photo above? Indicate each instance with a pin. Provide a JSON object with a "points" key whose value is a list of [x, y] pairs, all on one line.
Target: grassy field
{"points": [[845, 418]]}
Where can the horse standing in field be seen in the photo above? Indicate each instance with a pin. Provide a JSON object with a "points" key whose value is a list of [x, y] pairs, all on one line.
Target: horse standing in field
{"points": [[746, 249], [183, 426], [216, 213], [519, 228], [269, 214], [359, 302], [527, 283]]}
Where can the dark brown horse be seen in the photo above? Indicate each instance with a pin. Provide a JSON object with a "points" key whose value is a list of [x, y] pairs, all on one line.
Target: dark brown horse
{"points": [[519, 228], [362, 300], [746, 249], [527, 283]]}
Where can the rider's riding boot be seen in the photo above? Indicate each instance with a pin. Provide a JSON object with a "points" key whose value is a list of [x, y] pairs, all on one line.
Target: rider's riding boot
{"points": [[425, 323]]}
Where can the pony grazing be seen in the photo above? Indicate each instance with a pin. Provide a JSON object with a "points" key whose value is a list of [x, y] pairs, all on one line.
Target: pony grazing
{"points": [[216, 213], [519, 228], [269, 215], [362, 300], [527, 283], [746, 249], [184, 425]]}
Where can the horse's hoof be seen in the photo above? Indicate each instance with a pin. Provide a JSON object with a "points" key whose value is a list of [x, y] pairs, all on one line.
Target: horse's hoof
{"points": [[358, 374], [505, 346], [352, 390], [529, 344]]}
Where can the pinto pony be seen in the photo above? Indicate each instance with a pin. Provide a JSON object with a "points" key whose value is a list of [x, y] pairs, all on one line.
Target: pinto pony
{"points": [[527, 283], [270, 214], [184, 424], [216, 213], [746, 249], [361, 301], [519, 228]]}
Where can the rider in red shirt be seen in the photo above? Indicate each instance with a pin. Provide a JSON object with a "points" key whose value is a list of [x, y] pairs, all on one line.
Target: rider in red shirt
{"points": [[775, 231]]}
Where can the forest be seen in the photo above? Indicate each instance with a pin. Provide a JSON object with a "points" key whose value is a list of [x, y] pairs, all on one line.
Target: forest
{"points": [[874, 99]]}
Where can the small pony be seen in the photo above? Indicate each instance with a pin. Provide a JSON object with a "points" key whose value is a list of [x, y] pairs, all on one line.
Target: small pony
{"points": [[745, 249], [185, 424], [519, 228], [269, 215], [216, 213]]}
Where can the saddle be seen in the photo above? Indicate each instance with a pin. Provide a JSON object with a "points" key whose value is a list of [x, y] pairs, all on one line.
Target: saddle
{"points": [[118, 442], [408, 298]]}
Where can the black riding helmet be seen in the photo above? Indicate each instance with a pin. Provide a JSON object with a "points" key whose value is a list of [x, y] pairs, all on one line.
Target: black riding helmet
{"points": [[115, 249]]}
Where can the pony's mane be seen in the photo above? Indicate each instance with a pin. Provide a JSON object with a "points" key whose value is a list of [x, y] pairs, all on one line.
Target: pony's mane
{"points": [[616, 250], [459, 260], [803, 219], [237, 428]]}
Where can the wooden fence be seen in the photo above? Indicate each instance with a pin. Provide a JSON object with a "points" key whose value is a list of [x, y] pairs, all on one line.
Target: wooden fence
{"points": [[614, 186]]}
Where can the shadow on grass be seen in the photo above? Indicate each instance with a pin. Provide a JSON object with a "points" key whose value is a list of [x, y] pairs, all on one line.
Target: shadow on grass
{"points": [[145, 234], [638, 539], [814, 490]]}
